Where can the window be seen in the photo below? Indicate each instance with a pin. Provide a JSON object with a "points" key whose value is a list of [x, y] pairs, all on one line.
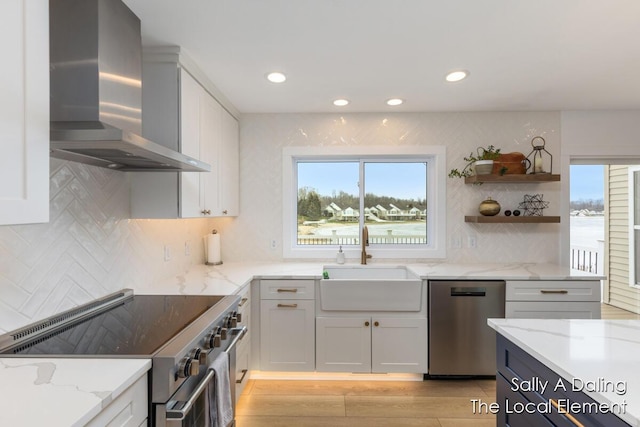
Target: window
{"points": [[330, 194], [634, 226]]}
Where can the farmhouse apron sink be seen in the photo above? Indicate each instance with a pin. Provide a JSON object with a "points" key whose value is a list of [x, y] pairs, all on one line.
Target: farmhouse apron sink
{"points": [[370, 288]]}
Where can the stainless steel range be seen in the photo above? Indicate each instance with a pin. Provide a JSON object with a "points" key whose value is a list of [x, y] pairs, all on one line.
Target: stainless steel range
{"points": [[181, 335]]}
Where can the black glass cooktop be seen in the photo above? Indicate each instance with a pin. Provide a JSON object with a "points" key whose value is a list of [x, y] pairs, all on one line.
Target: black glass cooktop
{"points": [[139, 326]]}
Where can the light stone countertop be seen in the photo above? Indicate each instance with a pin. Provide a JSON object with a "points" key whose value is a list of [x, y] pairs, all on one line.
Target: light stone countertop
{"points": [[62, 392], [598, 351], [50, 384], [229, 278]]}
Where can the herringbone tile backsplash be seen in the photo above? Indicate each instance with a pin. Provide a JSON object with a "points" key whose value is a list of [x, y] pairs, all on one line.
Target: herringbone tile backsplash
{"points": [[89, 248], [264, 136]]}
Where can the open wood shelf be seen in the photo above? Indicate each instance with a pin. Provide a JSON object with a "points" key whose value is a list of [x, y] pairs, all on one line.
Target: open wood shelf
{"points": [[512, 178], [479, 219]]}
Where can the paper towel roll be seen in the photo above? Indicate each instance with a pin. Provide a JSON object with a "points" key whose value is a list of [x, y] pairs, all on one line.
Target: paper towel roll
{"points": [[212, 246]]}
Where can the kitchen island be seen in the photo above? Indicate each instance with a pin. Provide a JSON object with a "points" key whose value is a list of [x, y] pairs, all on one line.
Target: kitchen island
{"points": [[597, 361]]}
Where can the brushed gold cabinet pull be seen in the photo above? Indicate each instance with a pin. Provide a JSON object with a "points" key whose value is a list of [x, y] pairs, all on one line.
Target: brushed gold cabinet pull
{"points": [[244, 374], [366, 323], [554, 291], [206, 212], [294, 290], [242, 302], [376, 324], [565, 413], [287, 305], [225, 211]]}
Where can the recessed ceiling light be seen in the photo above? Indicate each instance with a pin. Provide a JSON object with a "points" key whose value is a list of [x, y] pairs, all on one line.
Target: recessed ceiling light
{"points": [[341, 102], [456, 76], [394, 101], [276, 77]]}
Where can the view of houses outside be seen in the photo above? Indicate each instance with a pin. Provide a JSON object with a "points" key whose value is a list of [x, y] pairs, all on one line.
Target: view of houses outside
{"points": [[329, 203], [395, 206]]}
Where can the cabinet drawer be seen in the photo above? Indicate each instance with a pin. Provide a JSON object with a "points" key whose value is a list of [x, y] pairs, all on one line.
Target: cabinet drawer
{"points": [[128, 409], [507, 398], [553, 290], [287, 289], [552, 310], [242, 370], [244, 309]]}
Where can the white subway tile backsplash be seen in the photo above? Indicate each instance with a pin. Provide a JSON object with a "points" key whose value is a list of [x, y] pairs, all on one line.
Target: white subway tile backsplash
{"points": [[88, 249], [13, 269], [263, 136], [11, 318]]}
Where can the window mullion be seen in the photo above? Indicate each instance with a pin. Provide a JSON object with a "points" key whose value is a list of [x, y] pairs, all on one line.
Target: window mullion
{"points": [[361, 189]]}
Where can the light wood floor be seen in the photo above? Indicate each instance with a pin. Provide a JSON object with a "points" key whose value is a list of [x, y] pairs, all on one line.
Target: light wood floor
{"points": [[611, 312], [431, 403]]}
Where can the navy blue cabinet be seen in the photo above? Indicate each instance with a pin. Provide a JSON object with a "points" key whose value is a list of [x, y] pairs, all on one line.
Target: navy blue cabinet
{"points": [[536, 405]]}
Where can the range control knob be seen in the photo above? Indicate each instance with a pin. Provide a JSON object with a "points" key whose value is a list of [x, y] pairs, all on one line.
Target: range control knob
{"points": [[233, 320], [199, 355], [223, 332], [213, 338], [188, 367]]}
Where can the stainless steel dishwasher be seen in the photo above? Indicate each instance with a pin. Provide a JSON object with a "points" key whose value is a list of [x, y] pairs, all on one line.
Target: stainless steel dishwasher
{"points": [[460, 342]]}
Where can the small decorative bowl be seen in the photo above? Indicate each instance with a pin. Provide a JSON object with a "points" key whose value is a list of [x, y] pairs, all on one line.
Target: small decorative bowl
{"points": [[489, 207]]}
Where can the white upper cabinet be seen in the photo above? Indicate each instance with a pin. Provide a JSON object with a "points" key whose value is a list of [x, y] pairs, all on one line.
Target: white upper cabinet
{"points": [[24, 112], [199, 114], [229, 203], [179, 112]]}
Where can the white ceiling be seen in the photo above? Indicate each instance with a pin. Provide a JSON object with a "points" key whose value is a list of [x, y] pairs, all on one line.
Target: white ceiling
{"points": [[522, 54]]}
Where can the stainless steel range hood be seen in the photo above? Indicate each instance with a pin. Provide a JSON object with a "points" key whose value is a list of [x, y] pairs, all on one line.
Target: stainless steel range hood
{"points": [[96, 90]]}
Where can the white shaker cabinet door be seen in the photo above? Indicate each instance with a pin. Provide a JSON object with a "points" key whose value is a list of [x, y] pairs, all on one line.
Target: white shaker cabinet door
{"points": [[287, 335], [343, 344], [191, 112], [201, 133], [210, 140], [229, 166], [24, 112], [399, 345]]}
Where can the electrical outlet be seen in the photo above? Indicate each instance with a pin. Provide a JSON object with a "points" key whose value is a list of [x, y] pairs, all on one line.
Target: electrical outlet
{"points": [[456, 242], [167, 253], [472, 242], [187, 249], [273, 244]]}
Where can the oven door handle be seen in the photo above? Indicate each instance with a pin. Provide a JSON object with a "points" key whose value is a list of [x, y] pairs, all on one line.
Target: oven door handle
{"points": [[180, 414], [239, 334]]}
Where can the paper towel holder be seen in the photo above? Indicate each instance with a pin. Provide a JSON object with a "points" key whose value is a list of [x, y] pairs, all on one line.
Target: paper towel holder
{"points": [[213, 263]]}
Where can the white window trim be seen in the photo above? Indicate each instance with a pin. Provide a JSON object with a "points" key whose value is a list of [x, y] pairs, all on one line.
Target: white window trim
{"points": [[436, 201], [632, 227]]}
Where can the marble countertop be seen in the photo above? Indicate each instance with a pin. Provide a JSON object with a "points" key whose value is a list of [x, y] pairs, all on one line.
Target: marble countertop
{"points": [[229, 278], [62, 392], [601, 351], [49, 384]]}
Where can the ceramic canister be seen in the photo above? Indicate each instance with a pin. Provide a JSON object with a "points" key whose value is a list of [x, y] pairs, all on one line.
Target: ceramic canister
{"points": [[489, 207]]}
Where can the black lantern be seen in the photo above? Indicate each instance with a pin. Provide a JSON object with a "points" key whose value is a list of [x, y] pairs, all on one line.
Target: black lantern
{"points": [[539, 158]]}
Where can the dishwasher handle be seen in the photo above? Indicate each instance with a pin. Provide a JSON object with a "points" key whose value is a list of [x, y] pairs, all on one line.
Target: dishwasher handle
{"points": [[468, 292]]}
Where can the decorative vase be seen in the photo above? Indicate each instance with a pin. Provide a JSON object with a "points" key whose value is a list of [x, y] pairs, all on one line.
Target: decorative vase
{"points": [[489, 207], [483, 167]]}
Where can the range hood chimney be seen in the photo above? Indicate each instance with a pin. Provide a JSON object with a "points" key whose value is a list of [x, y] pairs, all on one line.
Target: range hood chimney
{"points": [[96, 90]]}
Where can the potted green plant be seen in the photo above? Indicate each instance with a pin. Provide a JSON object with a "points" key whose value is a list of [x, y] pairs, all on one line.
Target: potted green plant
{"points": [[480, 163]]}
